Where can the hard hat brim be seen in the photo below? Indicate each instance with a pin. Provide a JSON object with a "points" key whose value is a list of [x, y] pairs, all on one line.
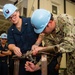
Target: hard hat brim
{"points": [[40, 30]]}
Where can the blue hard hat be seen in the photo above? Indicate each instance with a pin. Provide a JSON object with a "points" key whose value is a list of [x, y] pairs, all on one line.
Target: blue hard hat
{"points": [[8, 10], [4, 35], [39, 19]]}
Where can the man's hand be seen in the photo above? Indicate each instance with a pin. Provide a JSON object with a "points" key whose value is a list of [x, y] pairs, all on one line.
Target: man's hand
{"points": [[29, 66], [34, 46], [17, 51], [57, 67], [36, 50]]}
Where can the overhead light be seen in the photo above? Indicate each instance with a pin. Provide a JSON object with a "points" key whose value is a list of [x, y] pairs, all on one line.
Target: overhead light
{"points": [[1, 10]]}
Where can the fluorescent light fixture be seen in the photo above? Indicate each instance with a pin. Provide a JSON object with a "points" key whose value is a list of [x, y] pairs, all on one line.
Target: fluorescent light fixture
{"points": [[1, 10]]}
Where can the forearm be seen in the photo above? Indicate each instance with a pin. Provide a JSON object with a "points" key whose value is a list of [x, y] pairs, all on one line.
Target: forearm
{"points": [[16, 50], [40, 38], [2, 55], [11, 47], [38, 42], [8, 52], [59, 59]]}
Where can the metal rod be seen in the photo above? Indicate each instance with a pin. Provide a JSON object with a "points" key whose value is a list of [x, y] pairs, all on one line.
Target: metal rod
{"points": [[65, 6], [44, 64], [16, 67], [38, 4]]}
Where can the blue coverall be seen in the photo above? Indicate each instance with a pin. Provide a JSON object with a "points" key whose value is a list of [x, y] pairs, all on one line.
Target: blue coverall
{"points": [[3, 62], [23, 39]]}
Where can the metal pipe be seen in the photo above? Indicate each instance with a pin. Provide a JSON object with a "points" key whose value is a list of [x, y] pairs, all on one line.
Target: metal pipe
{"points": [[64, 6], [38, 4], [15, 2]]}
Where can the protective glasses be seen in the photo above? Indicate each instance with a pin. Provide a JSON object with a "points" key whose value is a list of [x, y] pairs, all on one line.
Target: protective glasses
{"points": [[4, 39], [13, 16]]}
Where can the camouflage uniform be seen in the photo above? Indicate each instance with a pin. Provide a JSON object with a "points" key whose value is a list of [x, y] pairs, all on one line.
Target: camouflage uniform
{"points": [[71, 55], [63, 37]]}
